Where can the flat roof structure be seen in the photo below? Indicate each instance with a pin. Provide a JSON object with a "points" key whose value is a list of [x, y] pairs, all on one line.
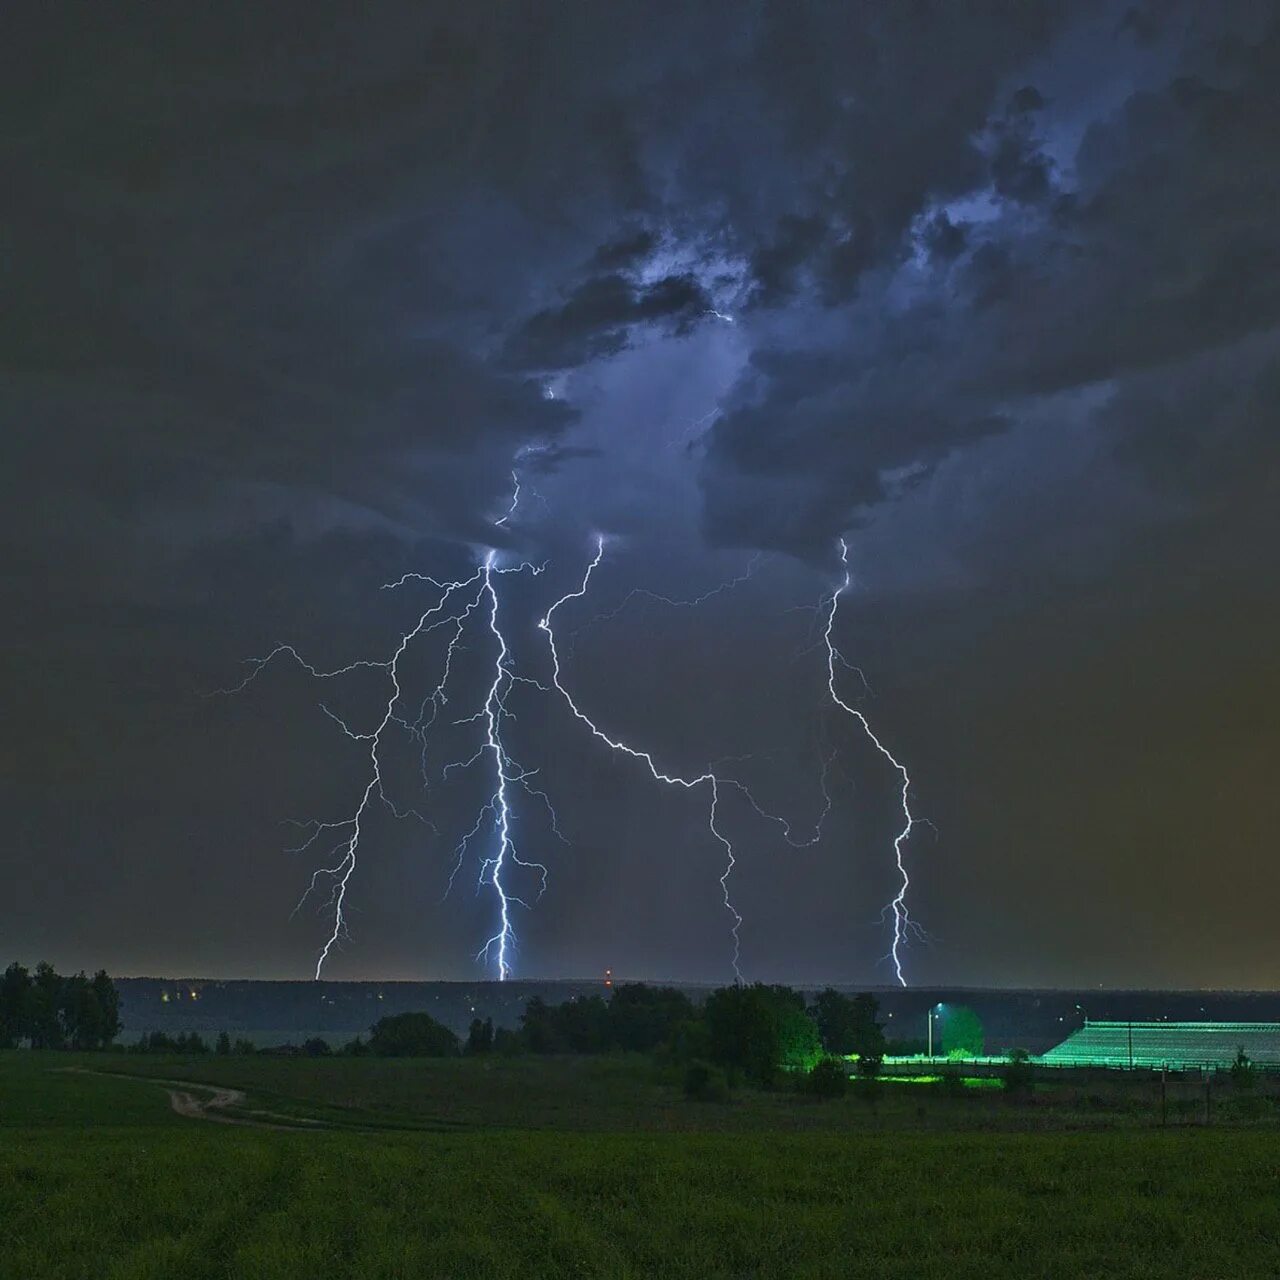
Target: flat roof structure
{"points": [[1178, 1045]]}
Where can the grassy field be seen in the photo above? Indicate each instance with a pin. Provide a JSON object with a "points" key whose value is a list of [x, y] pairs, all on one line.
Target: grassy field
{"points": [[576, 1168]]}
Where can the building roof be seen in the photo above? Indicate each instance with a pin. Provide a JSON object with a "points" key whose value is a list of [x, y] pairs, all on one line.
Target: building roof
{"points": [[1167, 1044]]}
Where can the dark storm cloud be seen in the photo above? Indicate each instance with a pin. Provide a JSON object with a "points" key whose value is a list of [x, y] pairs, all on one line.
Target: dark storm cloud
{"points": [[625, 252], [1162, 244], [288, 290], [596, 319]]}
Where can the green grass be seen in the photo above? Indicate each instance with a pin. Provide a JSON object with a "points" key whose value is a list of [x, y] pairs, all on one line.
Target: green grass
{"points": [[99, 1179]]}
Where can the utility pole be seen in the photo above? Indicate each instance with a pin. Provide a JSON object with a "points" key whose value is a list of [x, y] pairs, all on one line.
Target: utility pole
{"points": [[1131, 1046], [929, 1019]]}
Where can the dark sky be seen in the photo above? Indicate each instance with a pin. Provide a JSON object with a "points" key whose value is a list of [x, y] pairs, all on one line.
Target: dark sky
{"points": [[991, 290]]}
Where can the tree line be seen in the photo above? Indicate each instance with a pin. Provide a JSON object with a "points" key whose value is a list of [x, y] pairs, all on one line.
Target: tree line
{"points": [[49, 1010], [754, 1033], [758, 1034]]}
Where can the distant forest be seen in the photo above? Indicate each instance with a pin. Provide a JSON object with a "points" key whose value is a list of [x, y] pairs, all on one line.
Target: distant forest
{"points": [[50, 1010]]}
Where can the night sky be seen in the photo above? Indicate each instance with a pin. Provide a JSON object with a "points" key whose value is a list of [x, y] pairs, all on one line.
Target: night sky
{"points": [[991, 290]]}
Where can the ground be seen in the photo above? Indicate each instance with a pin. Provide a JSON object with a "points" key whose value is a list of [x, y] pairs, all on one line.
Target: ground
{"points": [[568, 1167]]}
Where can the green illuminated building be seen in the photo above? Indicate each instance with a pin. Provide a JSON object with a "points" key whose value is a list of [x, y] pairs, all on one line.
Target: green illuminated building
{"points": [[1177, 1045]]}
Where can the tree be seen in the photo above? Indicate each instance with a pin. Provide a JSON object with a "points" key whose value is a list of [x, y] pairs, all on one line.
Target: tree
{"points": [[538, 1027], [316, 1047], [961, 1032], [412, 1035], [44, 1021], [80, 1013], [223, 1046], [868, 1035], [15, 1000], [109, 1024], [55, 1012], [760, 1031], [690, 1040], [799, 1046], [480, 1036], [641, 1017], [834, 1015], [583, 1025]]}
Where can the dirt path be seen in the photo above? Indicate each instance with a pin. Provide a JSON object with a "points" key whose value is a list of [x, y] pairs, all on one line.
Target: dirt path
{"points": [[210, 1108], [213, 1107]]}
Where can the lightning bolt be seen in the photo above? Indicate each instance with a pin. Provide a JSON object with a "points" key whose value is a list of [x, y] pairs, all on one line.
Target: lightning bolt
{"points": [[714, 782], [475, 601], [459, 602], [506, 775], [897, 905], [353, 826], [708, 780], [643, 593]]}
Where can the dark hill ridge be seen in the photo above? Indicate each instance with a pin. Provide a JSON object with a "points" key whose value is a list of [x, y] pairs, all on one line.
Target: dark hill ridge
{"points": [[1034, 1019]]}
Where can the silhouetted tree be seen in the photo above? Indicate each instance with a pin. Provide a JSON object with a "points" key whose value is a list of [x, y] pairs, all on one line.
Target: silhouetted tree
{"points": [[55, 1012], [108, 998], [868, 1035], [642, 1017], [833, 1012], [538, 1028], [412, 1035], [44, 1023], [480, 1036], [760, 1031], [223, 1046], [583, 1025], [15, 1001]]}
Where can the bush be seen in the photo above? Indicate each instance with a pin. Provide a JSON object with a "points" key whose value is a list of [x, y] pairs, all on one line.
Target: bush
{"points": [[705, 1083], [1019, 1074], [828, 1079], [412, 1035], [1244, 1074], [950, 1082]]}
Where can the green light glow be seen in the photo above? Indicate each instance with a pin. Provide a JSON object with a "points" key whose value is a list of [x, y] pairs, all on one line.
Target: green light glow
{"points": [[969, 1082], [1167, 1044]]}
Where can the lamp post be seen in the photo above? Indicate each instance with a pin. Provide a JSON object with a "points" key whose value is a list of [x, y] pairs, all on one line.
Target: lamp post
{"points": [[929, 1020]]}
